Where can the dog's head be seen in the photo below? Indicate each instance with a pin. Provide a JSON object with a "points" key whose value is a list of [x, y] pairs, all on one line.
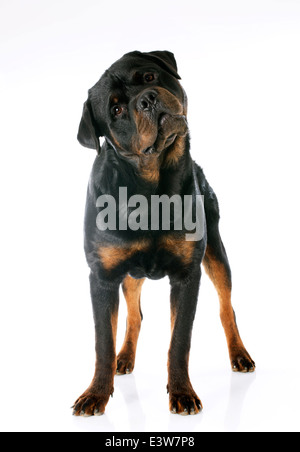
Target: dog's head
{"points": [[139, 106]]}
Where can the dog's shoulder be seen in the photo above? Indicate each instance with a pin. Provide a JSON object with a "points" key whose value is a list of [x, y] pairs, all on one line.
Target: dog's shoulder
{"points": [[211, 204]]}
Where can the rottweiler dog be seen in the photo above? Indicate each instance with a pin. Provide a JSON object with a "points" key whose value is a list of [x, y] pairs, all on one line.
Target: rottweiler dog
{"points": [[140, 108]]}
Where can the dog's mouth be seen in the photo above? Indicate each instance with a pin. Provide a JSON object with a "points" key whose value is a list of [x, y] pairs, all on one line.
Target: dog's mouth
{"points": [[169, 128], [153, 149], [150, 150]]}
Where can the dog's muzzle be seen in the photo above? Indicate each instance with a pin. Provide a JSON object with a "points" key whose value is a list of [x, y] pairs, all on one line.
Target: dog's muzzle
{"points": [[163, 112]]}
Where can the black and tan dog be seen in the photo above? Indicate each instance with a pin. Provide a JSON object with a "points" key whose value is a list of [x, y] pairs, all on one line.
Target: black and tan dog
{"points": [[140, 108]]}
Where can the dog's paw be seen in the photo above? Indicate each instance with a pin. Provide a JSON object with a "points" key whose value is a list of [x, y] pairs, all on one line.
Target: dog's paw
{"points": [[185, 404], [90, 404], [125, 363], [242, 362]]}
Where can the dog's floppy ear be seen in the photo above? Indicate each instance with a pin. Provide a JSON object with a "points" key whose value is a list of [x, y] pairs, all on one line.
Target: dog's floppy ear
{"points": [[88, 133], [166, 60]]}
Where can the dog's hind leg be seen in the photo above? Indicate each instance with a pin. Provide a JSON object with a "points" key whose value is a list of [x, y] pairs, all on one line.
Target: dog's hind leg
{"points": [[217, 267], [132, 291]]}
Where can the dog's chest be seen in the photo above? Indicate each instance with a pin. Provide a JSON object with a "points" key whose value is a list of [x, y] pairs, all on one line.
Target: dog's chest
{"points": [[148, 257]]}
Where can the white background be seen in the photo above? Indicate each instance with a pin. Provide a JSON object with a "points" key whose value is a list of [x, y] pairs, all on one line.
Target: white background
{"points": [[240, 66]]}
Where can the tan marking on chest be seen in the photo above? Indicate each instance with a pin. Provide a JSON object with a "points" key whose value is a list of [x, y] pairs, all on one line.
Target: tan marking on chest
{"points": [[113, 255], [179, 247]]}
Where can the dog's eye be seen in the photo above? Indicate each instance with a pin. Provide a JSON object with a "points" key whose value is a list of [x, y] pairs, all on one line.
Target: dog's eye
{"points": [[149, 77], [117, 110]]}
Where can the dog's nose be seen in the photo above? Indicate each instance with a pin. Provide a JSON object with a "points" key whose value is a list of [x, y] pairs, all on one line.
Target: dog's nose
{"points": [[147, 100]]}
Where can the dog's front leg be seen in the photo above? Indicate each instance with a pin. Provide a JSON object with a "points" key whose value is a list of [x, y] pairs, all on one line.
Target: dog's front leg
{"points": [[184, 296], [105, 300]]}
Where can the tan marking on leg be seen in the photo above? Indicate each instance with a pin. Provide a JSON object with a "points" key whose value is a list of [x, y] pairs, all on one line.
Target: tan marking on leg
{"points": [[132, 291], [217, 273], [114, 325]]}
